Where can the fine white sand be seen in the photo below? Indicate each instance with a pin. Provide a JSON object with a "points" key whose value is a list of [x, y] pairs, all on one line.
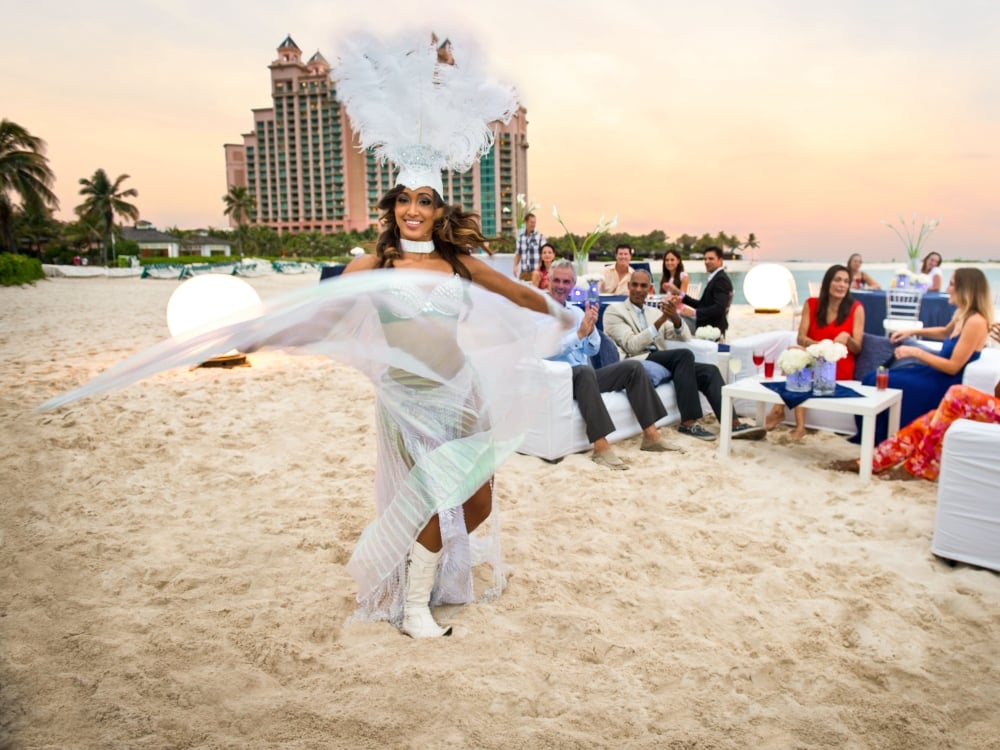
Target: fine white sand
{"points": [[172, 574]]}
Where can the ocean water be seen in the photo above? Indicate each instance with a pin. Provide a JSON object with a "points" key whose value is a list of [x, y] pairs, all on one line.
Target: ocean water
{"points": [[815, 273]]}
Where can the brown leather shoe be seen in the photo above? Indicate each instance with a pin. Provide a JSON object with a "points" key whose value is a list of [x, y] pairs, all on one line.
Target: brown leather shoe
{"points": [[609, 459]]}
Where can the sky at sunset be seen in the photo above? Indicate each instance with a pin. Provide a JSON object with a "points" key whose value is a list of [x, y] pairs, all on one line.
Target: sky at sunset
{"points": [[803, 123]]}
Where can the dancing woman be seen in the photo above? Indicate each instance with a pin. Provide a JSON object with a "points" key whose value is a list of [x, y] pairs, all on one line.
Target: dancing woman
{"points": [[448, 342], [422, 418]]}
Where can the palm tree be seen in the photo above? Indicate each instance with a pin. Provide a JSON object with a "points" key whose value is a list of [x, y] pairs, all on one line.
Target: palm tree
{"points": [[104, 200], [239, 204], [24, 171], [752, 244]]}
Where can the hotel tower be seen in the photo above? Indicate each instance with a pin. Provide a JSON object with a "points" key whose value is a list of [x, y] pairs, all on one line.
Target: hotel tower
{"points": [[302, 166]]}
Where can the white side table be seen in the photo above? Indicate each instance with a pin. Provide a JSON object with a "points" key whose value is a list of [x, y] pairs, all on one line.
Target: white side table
{"points": [[871, 403]]}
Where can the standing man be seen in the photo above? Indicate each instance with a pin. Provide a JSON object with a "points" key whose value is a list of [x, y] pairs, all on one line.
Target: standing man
{"points": [[528, 252], [588, 384], [616, 278], [641, 332], [713, 307]]}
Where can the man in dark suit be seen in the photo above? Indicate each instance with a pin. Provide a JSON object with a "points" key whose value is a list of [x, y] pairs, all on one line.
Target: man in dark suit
{"points": [[713, 307], [642, 332]]}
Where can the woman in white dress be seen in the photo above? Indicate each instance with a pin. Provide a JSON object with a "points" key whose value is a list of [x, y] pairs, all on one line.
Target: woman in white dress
{"points": [[931, 266]]}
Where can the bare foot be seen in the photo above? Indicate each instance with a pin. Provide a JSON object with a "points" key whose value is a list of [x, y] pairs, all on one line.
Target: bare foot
{"points": [[775, 417], [798, 433]]}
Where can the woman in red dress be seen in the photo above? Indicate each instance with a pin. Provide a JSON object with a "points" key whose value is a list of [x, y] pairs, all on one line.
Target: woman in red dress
{"points": [[834, 315]]}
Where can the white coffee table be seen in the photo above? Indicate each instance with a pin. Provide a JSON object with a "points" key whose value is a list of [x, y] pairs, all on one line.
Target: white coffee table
{"points": [[872, 403]]}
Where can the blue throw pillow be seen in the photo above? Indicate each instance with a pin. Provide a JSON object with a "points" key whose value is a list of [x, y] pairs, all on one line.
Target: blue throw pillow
{"points": [[875, 352], [657, 373], [607, 355]]}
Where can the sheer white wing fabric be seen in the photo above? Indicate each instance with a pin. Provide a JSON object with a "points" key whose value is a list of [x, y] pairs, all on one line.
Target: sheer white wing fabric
{"points": [[456, 370]]}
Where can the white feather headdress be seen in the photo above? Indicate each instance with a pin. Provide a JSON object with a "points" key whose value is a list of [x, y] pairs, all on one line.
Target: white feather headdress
{"points": [[419, 113]]}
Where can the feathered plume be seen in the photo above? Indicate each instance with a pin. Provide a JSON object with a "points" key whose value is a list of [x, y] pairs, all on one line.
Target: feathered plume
{"points": [[408, 103]]}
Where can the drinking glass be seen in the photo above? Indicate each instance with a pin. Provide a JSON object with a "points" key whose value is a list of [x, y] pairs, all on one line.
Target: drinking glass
{"points": [[735, 365], [594, 294], [768, 368], [758, 359]]}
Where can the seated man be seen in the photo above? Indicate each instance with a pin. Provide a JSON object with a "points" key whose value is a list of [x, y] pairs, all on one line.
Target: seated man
{"points": [[641, 332], [717, 296], [589, 384], [615, 279]]}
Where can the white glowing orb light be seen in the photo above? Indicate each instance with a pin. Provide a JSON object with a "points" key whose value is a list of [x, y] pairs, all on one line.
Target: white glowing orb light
{"points": [[768, 287], [204, 302]]}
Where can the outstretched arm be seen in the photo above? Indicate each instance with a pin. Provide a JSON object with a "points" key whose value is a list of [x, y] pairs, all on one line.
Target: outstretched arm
{"points": [[518, 293]]}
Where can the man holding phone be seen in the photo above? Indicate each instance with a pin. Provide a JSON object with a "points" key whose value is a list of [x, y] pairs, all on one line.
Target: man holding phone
{"points": [[588, 384]]}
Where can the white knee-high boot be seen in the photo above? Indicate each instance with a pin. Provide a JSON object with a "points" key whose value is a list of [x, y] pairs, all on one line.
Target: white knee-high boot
{"points": [[418, 622]]}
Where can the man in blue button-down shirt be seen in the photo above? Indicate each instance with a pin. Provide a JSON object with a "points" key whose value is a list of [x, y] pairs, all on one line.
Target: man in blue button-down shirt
{"points": [[588, 384]]}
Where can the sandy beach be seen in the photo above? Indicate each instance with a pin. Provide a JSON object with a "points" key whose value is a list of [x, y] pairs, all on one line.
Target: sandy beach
{"points": [[172, 574]]}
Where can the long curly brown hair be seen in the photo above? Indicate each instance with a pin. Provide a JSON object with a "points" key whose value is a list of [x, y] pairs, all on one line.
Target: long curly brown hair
{"points": [[456, 232]]}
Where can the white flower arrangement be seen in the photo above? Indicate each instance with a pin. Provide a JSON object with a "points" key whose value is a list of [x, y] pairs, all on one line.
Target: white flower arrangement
{"points": [[589, 278], [708, 333], [794, 360], [912, 278], [828, 350]]}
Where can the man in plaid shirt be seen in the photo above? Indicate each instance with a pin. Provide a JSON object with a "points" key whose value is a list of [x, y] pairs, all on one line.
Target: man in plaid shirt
{"points": [[528, 253]]}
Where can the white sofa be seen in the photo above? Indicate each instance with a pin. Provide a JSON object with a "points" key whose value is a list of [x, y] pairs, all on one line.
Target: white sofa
{"points": [[559, 430], [967, 521]]}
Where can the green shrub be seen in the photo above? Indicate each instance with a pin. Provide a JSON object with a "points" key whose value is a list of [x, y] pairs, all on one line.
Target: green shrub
{"points": [[19, 269]]}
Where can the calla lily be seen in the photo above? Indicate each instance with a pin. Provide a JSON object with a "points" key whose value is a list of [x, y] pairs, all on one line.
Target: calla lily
{"points": [[582, 253], [912, 237]]}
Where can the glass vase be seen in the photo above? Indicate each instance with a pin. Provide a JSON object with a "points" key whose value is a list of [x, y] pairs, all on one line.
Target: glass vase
{"points": [[800, 381], [824, 377]]}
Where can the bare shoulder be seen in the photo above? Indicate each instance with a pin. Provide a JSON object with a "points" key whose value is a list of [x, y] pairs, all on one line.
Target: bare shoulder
{"points": [[977, 324], [361, 263]]}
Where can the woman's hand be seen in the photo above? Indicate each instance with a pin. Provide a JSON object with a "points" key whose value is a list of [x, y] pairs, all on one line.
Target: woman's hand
{"points": [[995, 332], [898, 336], [908, 351], [843, 338]]}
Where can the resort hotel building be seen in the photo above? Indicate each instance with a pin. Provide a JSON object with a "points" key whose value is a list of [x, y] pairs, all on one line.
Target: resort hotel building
{"points": [[302, 167]]}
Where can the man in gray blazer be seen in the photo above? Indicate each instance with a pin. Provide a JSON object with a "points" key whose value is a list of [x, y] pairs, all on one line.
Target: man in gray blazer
{"points": [[642, 332]]}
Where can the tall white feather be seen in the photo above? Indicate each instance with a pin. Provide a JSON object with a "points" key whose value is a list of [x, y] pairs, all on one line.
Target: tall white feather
{"points": [[421, 115]]}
